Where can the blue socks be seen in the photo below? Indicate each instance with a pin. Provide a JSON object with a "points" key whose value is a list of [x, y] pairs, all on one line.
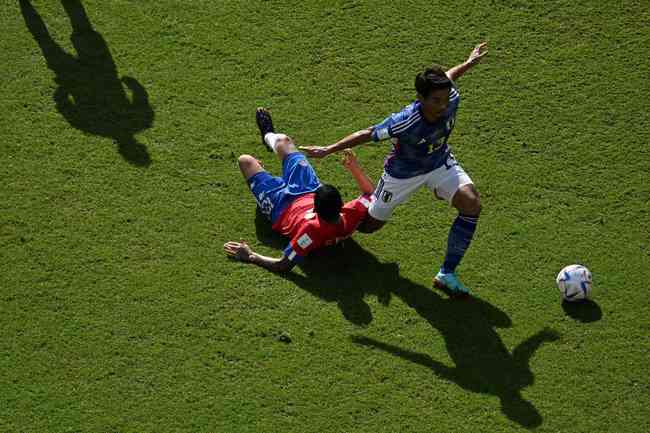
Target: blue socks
{"points": [[460, 236]]}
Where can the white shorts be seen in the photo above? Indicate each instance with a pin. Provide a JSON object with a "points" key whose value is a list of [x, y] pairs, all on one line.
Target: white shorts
{"points": [[391, 192]]}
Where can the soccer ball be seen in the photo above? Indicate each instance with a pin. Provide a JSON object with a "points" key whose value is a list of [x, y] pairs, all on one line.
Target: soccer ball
{"points": [[574, 282]]}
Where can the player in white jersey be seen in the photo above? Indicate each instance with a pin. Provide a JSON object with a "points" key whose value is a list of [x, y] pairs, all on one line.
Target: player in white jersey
{"points": [[421, 156]]}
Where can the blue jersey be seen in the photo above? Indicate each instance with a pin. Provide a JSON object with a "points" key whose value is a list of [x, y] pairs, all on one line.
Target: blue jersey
{"points": [[418, 146]]}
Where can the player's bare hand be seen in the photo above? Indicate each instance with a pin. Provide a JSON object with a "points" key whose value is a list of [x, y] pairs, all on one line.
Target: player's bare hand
{"points": [[315, 151], [349, 159], [478, 53], [238, 250]]}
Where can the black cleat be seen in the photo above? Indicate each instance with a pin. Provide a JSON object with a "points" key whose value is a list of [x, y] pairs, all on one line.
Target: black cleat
{"points": [[265, 124]]}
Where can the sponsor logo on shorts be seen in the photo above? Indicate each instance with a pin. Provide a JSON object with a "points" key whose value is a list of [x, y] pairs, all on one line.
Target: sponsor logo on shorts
{"points": [[386, 196], [451, 161]]}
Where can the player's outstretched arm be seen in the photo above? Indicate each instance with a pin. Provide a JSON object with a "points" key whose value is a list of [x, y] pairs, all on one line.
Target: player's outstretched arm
{"points": [[242, 252], [350, 162], [474, 58], [354, 139]]}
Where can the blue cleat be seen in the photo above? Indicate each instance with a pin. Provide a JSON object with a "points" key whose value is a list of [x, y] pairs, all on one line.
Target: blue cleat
{"points": [[450, 284]]}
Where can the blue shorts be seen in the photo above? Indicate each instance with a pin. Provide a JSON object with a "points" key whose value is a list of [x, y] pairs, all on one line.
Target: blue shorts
{"points": [[273, 194]]}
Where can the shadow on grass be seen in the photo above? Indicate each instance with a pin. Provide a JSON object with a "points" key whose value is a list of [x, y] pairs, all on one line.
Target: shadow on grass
{"points": [[584, 311], [344, 273], [90, 95], [482, 363], [265, 233], [347, 273]]}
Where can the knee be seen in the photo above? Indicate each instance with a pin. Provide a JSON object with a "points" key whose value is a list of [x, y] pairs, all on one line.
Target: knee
{"points": [[473, 206], [246, 161], [468, 201], [284, 144]]}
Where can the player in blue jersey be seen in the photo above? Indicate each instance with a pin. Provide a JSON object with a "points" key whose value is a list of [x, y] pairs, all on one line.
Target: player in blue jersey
{"points": [[421, 156]]}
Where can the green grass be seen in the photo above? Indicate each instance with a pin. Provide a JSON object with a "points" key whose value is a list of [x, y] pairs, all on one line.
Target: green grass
{"points": [[120, 312]]}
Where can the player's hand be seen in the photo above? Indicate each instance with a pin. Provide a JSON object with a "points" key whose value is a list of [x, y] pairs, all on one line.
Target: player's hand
{"points": [[349, 159], [238, 251], [478, 53], [315, 151]]}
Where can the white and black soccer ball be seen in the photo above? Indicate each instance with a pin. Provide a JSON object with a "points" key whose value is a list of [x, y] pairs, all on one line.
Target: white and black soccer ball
{"points": [[574, 282]]}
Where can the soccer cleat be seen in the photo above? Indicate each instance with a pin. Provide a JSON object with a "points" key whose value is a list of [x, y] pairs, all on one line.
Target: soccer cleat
{"points": [[450, 284], [265, 124]]}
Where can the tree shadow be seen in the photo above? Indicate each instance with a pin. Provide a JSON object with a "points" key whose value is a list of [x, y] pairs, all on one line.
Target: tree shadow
{"points": [[347, 273], [90, 95], [584, 311]]}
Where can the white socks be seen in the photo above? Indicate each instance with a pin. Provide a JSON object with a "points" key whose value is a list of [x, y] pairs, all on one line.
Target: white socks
{"points": [[271, 138]]}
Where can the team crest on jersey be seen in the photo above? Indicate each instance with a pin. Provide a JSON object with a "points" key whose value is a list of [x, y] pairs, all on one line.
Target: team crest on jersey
{"points": [[450, 161], [304, 241], [303, 162], [386, 196]]}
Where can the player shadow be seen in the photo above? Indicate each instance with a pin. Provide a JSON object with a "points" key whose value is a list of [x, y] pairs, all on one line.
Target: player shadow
{"points": [[481, 362], [347, 274], [324, 270], [90, 95], [265, 233], [585, 311]]}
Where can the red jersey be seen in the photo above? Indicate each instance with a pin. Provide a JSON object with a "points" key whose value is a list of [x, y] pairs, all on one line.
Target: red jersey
{"points": [[308, 231]]}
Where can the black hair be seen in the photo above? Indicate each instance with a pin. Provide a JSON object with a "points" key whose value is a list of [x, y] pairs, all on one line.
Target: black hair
{"points": [[432, 78], [328, 203]]}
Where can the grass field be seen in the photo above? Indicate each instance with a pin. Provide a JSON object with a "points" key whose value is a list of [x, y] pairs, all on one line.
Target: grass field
{"points": [[120, 312]]}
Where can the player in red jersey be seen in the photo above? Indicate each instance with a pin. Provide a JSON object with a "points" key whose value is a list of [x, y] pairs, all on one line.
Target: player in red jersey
{"points": [[297, 204]]}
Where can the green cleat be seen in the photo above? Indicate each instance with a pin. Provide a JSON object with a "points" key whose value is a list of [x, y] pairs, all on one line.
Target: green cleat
{"points": [[450, 284]]}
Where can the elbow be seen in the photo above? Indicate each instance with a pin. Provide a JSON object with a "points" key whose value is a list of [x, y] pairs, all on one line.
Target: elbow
{"points": [[282, 267], [363, 135]]}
